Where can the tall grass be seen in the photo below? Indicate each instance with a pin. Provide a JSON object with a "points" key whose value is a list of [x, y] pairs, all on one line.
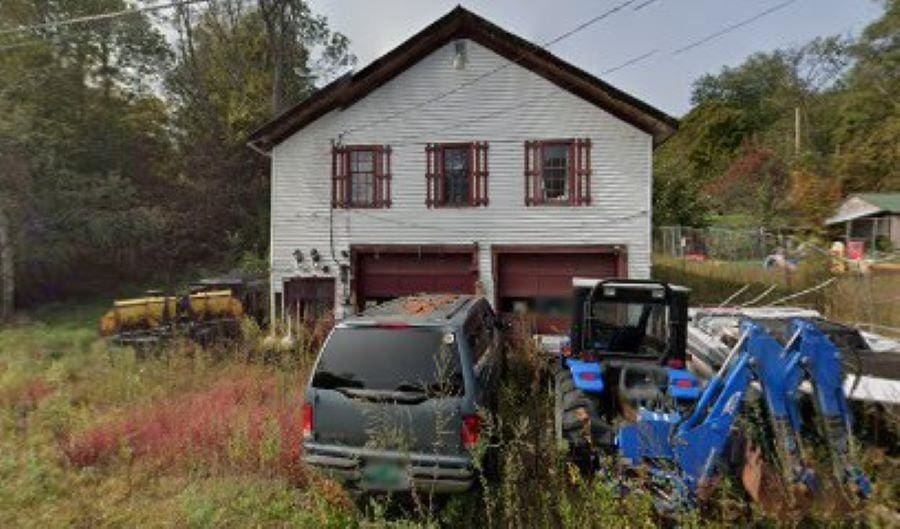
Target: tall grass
{"points": [[852, 298], [91, 436]]}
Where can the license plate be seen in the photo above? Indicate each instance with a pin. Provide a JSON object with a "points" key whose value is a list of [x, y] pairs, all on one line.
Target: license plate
{"points": [[384, 476]]}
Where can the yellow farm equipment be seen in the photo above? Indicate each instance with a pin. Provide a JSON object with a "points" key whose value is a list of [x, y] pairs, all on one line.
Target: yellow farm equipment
{"points": [[202, 316]]}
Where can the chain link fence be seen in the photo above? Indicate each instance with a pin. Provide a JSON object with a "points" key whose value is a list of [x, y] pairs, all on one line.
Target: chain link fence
{"points": [[722, 244]]}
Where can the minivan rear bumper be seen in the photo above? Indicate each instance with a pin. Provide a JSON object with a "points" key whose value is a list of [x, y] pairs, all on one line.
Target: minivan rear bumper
{"points": [[428, 472]]}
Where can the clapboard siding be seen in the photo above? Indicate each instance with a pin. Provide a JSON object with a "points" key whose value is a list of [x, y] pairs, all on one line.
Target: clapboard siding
{"points": [[505, 109]]}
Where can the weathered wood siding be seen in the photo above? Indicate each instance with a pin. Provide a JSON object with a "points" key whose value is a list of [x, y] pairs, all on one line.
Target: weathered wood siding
{"points": [[504, 109]]}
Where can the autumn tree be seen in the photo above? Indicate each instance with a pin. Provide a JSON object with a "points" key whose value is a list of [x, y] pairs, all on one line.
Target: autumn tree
{"points": [[867, 134], [236, 65], [846, 94]]}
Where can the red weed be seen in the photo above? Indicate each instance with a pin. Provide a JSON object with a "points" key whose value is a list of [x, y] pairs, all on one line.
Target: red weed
{"points": [[35, 392], [28, 395], [201, 426]]}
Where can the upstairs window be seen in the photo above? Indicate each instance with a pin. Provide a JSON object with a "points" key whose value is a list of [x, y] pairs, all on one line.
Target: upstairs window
{"points": [[558, 172], [456, 174], [361, 176]]}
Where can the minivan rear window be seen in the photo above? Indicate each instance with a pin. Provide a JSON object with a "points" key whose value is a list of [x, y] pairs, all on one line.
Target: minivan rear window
{"points": [[406, 359]]}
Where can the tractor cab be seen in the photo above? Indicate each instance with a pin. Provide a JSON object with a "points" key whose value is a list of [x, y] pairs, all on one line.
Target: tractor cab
{"points": [[633, 320], [626, 356]]}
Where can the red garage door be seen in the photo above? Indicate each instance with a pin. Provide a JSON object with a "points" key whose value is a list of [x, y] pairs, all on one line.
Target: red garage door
{"points": [[386, 272], [539, 279]]}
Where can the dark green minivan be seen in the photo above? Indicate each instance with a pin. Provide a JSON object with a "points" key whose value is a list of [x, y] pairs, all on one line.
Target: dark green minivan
{"points": [[393, 401]]}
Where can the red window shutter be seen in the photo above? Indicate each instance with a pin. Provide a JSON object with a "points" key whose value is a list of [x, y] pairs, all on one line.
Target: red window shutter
{"points": [[480, 174], [377, 169], [582, 172], [430, 174], [340, 181], [532, 173], [385, 177], [382, 176]]}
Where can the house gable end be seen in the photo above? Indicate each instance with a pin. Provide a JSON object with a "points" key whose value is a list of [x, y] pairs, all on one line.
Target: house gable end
{"points": [[462, 24]]}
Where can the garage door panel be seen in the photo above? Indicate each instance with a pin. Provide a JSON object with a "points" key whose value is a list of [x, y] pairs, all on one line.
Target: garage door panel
{"points": [[549, 274], [394, 274]]}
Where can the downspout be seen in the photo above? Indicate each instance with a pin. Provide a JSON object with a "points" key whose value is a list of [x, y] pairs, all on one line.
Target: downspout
{"points": [[256, 149]]}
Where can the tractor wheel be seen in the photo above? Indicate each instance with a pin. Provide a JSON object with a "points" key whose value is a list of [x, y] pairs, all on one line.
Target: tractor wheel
{"points": [[577, 422]]}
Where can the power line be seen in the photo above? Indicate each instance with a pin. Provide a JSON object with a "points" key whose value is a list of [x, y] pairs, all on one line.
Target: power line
{"points": [[729, 29], [629, 62], [588, 23], [99, 16], [525, 102], [580, 27], [698, 43], [644, 4], [528, 101], [465, 84]]}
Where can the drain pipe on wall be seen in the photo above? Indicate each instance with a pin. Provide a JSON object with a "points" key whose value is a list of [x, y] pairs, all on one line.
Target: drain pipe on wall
{"points": [[272, 306]]}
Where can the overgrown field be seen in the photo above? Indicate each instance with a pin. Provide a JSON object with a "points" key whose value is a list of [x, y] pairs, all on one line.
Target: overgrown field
{"points": [[852, 298], [92, 436]]}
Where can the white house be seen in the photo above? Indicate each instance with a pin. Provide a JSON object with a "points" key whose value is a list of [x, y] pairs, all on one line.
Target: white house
{"points": [[466, 159]]}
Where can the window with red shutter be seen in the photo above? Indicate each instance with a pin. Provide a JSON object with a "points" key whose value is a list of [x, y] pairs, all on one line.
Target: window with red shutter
{"points": [[456, 174], [558, 172], [361, 176]]}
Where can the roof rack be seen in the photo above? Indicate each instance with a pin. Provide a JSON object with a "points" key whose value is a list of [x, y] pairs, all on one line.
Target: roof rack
{"points": [[424, 306], [460, 303]]}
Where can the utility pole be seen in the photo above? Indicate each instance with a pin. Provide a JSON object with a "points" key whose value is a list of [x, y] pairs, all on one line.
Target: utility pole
{"points": [[7, 272], [797, 131]]}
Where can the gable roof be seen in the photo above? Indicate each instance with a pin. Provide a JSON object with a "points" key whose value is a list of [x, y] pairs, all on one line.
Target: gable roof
{"points": [[888, 202], [865, 204], [461, 23]]}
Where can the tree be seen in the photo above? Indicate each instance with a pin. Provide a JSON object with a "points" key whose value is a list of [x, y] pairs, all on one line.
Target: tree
{"points": [[293, 33], [756, 182], [235, 67], [867, 156], [7, 270], [742, 146], [812, 197], [123, 157], [80, 117]]}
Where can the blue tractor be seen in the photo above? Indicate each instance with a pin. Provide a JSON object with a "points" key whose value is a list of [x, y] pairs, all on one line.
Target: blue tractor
{"points": [[623, 393]]}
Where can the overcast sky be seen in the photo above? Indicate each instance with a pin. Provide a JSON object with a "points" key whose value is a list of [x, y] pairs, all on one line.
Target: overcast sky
{"points": [[663, 80]]}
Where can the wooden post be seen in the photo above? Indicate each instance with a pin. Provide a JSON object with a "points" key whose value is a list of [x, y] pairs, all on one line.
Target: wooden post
{"points": [[7, 271]]}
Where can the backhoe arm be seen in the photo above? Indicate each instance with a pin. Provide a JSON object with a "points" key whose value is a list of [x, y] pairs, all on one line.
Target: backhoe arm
{"points": [[814, 357]]}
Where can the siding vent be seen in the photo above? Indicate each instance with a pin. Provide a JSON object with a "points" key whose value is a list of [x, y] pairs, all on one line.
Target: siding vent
{"points": [[460, 55]]}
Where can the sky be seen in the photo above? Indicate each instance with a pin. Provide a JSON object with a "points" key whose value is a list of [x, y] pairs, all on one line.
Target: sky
{"points": [[662, 79]]}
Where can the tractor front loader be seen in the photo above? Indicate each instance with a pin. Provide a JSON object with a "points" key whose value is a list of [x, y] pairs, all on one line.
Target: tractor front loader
{"points": [[623, 395]]}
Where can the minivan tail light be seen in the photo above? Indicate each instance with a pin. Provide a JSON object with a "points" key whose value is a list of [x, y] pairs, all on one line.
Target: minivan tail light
{"points": [[307, 420], [471, 429]]}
